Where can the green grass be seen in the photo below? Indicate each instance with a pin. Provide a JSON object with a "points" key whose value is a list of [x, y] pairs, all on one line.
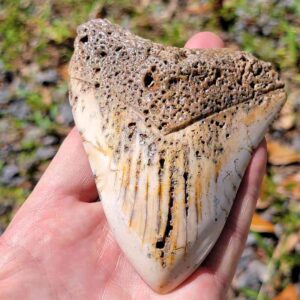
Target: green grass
{"points": [[252, 294], [41, 34], [38, 28], [13, 195]]}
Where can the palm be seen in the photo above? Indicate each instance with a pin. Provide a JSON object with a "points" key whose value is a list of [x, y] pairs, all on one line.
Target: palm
{"points": [[61, 238], [83, 261]]}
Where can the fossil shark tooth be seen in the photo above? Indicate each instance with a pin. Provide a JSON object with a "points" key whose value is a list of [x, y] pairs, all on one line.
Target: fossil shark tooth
{"points": [[169, 133]]}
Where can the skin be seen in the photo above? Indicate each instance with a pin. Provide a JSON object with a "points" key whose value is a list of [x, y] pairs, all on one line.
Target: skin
{"points": [[59, 246]]}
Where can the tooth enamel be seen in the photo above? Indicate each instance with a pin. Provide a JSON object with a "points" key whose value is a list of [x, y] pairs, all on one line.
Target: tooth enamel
{"points": [[169, 133]]}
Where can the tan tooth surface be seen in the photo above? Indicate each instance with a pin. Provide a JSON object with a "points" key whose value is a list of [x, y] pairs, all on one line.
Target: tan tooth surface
{"points": [[169, 133]]}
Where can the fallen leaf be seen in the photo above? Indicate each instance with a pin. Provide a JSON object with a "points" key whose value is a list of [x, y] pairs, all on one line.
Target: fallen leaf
{"points": [[169, 10], [291, 242], [280, 154], [286, 244], [267, 191], [292, 184], [46, 96], [144, 3], [199, 9], [259, 224], [289, 293], [63, 131], [286, 119], [63, 71]]}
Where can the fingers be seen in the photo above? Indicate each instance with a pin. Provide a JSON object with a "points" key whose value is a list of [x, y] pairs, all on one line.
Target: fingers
{"points": [[204, 40], [224, 256], [68, 175]]}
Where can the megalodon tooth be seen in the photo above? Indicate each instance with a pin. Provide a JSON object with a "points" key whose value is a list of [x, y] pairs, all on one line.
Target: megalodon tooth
{"points": [[169, 133]]}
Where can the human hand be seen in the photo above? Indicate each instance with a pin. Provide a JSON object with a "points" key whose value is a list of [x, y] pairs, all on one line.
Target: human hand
{"points": [[59, 246]]}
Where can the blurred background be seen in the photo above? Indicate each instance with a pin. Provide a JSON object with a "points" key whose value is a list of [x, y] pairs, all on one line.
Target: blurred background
{"points": [[36, 43]]}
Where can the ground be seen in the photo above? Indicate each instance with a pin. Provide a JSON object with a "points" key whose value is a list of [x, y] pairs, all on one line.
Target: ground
{"points": [[36, 42]]}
